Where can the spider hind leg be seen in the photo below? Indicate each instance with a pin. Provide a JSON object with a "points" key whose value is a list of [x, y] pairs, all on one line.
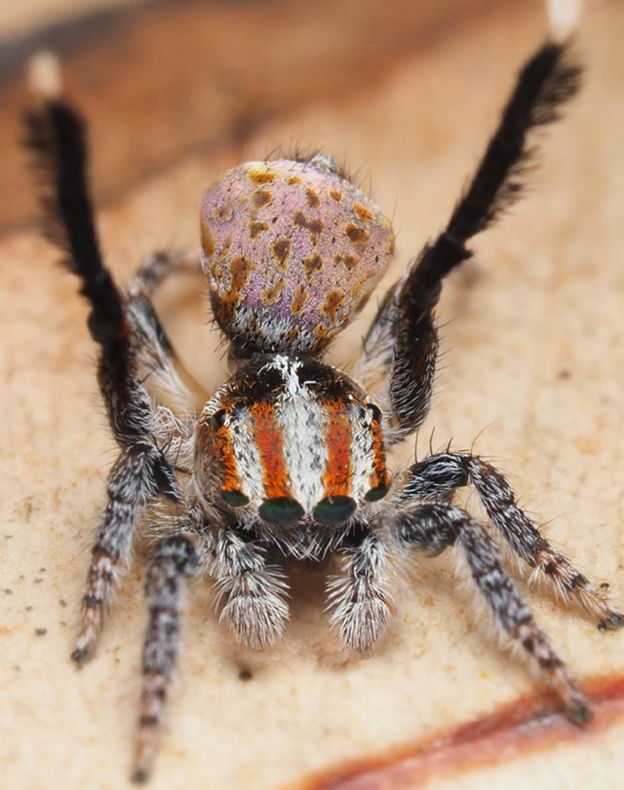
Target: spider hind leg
{"points": [[438, 476], [432, 527], [174, 560]]}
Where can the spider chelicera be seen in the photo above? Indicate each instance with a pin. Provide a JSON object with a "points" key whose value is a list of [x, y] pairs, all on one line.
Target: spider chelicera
{"points": [[286, 461]]}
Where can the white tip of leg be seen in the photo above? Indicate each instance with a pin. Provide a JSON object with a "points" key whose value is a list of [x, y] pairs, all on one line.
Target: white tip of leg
{"points": [[44, 75], [564, 17]]}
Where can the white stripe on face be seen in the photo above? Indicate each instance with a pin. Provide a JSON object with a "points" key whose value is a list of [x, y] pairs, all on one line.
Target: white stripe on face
{"points": [[361, 451]]}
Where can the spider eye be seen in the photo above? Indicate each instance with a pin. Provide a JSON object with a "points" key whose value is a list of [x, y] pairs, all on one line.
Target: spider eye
{"points": [[234, 498], [375, 411], [217, 420], [280, 510], [334, 508], [376, 493]]}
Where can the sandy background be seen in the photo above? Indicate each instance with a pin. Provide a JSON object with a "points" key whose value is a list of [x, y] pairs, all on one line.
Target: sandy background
{"points": [[534, 353]]}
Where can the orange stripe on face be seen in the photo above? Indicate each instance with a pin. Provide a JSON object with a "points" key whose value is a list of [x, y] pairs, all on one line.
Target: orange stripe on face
{"points": [[224, 452], [379, 476], [270, 443], [337, 475]]}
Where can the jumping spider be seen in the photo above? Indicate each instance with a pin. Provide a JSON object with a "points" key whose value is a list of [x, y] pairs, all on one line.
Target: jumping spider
{"points": [[286, 460]]}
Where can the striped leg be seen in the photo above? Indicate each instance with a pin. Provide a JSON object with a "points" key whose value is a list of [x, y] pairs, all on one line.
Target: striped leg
{"points": [[430, 528], [174, 559], [131, 483], [437, 476], [158, 267]]}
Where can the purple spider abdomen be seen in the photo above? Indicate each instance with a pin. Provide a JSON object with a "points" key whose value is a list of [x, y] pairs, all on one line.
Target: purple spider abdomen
{"points": [[293, 251]]}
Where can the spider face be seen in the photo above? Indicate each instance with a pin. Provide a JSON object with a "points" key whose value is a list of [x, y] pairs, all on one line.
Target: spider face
{"points": [[289, 439]]}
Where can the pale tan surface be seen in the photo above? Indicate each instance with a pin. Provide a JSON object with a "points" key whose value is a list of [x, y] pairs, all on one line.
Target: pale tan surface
{"points": [[545, 295], [18, 16]]}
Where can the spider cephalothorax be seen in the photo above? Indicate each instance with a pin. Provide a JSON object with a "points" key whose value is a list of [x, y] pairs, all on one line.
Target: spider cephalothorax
{"points": [[249, 444], [286, 460]]}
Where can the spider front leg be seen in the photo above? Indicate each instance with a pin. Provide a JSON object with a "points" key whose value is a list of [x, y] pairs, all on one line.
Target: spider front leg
{"points": [[401, 345], [433, 527], [57, 138], [437, 477], [253, 591], [360, 598], [174, 559]]}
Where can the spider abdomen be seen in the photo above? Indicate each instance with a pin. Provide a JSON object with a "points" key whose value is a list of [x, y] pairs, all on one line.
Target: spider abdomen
{"points": [[292, 439], [292, 250]]}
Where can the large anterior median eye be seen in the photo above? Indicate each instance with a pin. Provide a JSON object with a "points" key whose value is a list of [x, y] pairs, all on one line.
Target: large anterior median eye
{"points": [[334, 508], [234, 498], [281, 510], [374, 494]]}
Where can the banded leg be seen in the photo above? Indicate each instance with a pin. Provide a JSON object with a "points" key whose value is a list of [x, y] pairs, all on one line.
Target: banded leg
{"points": [[160, 266], [174, 559], [253, 591], [360, 599], [429, 528], [161, 370], [132, 482], [57, 139], [402, 342], [437, 476]]}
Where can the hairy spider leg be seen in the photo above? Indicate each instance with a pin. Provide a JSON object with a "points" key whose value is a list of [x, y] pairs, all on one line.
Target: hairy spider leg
{"points": [[253, 592], [402, 341], [436, 478], [57, 137], [433, 527], [174, 559], [360, 598]]}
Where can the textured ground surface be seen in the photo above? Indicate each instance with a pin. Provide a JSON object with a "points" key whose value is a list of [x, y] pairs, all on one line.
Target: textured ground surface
{"points": [[534, 341]]}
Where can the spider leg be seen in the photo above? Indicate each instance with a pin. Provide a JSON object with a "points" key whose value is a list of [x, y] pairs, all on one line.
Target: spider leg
{"points": [[360, 598], [402, 341], [57, 138], [163, 373], [131, 484], [253, 591], [436, 478], [174, 559], [432, 527], [160, 266]]}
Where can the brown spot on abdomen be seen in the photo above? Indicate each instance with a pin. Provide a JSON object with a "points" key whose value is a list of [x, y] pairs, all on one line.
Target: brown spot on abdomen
{"points": [[281, 249], [312, 198], [256, 227], [271, 294], [241, 269], [207, 239], [331, 305], [365, 214], [312, 264], [348, 260], [262, 175], [299, 299], [313, 226], [356, 234], [261, 197]]}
